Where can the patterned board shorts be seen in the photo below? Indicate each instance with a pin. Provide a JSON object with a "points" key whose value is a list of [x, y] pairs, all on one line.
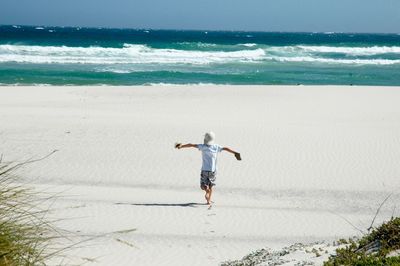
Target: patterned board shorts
{"points": [[207, 179]]}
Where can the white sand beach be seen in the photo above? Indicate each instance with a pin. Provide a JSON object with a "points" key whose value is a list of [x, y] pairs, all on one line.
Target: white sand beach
{"points": [[317, 163]]}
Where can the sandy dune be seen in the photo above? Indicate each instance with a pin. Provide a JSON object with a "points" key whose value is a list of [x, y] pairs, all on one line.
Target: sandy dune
{"points": [[317, 162]]}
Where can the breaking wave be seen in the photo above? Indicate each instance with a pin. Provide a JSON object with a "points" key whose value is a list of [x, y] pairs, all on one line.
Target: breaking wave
{"points": [[336, 61], [142, 54], [374, 50], [128, 54]]}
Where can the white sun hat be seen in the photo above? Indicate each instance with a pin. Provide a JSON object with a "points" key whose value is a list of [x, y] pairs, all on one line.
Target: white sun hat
{"points": [[209, 138]]}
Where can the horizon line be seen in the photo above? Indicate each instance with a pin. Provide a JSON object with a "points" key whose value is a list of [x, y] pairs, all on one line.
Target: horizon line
{"points": [[199, 30]]}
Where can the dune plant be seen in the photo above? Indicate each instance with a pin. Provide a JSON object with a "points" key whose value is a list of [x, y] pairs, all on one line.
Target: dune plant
{"points": [[26, 236], [372, 249]]}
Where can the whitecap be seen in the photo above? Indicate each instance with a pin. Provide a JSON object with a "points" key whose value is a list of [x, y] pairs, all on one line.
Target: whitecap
{"points": [[248, 44], [114, 70], [309, 59], [174, 84], [136, 54], [39, 28], [373, 50], [199, 44], [128, 54]]}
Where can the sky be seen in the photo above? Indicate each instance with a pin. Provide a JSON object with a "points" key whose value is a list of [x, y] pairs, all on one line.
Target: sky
{"points": [[381, 16]]}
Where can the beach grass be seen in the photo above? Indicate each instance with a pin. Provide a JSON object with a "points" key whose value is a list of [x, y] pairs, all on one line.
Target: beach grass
{"points": [[26, 235]]}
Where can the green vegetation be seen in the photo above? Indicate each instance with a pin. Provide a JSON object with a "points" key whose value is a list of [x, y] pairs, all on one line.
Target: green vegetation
{"points": [[26, 237], [372, 249]]}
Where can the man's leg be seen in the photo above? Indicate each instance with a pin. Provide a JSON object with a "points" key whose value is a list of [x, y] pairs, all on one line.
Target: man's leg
{"points": [[205, 188], [211, 183], [203, 184], [209, 194], [206, 184]]}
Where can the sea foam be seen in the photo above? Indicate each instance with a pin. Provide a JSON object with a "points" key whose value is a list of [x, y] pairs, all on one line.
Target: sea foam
{"points": [[309, 59], [248, 44], [142, 54], [374, 50], [128, 54]]}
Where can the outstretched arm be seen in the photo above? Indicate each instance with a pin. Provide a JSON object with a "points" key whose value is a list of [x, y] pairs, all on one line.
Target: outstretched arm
{"points": [[189, 145], [237, 155], [229, 150]]}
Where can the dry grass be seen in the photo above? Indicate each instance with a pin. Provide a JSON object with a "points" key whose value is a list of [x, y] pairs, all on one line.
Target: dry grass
{"points": [[26, 236]]}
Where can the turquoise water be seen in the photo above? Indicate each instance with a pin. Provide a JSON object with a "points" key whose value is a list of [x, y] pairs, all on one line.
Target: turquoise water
{"points": [[87, 56]]}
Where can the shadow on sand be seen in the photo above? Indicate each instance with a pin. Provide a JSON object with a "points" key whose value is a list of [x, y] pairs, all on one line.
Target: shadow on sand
{"points": [[189, 204]]}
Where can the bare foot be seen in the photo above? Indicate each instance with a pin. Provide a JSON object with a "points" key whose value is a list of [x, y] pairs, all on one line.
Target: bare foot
{"points": [[208, 200]]}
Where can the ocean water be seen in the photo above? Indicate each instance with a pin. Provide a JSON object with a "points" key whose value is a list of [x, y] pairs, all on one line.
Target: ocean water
{"points": [[93, 56]]}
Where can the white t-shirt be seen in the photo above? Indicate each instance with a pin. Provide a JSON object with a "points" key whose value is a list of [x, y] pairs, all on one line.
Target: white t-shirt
{"points": [[209, 154]]}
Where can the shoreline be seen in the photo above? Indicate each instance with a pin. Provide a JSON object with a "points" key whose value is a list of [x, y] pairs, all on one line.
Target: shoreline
{"points": [[197, 85]]}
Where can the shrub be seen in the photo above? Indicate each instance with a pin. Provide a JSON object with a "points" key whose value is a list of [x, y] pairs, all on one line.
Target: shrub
{"points": [[372, 249]]}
